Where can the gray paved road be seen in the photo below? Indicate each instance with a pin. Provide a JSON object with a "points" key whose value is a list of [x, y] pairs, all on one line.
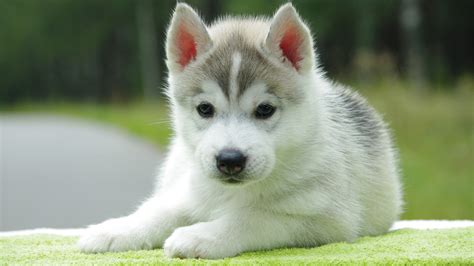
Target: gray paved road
{"points": [[61, 172]]}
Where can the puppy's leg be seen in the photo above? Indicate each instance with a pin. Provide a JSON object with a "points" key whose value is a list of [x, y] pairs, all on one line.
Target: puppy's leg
{"points": [[147, 228], [233, 234]]}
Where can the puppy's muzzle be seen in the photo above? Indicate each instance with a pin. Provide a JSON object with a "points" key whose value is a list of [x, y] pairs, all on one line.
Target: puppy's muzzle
{"points": [[230, 161]]}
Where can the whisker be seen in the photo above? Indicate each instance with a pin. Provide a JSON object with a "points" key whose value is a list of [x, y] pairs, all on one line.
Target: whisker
{"points": [[160, 122], [294, 172], [285, 165]]}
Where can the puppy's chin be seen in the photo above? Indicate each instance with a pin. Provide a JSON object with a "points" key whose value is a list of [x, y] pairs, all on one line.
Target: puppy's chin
{"points": [[239, 180], [232, 180]]}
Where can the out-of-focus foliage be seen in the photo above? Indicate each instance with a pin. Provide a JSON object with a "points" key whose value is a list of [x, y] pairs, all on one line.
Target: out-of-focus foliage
{"points": [[89, 49]]}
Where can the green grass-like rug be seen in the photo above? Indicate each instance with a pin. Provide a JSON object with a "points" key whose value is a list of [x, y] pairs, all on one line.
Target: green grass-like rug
{"points": [[405, 246]]}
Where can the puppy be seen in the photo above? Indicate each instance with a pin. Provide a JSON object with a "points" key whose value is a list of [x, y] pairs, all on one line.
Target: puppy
{"points": [[267, 152]]}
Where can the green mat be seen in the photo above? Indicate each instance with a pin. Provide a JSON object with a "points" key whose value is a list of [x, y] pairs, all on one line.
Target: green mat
{"points": [[443, 246]]}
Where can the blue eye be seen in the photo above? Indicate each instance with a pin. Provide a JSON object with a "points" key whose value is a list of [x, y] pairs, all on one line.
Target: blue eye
{"points": [[264, 111], [205, 110]]}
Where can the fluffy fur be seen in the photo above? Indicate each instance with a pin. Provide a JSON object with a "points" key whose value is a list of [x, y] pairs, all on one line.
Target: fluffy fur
{"points": [[321, 169]]}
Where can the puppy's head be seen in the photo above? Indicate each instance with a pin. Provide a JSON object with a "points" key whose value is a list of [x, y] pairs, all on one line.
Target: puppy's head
{"points": [[238, 89]]}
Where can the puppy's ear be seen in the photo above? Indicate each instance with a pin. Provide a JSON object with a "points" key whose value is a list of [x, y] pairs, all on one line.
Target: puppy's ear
{"points": [[187, 38], [290, 39]]}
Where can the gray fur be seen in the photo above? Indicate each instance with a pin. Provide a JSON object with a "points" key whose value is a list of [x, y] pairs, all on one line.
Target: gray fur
{"points": [[350, 108], [255, 66]]}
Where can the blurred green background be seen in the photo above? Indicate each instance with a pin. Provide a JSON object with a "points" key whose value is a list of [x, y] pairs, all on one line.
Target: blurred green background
{"points": [[413, 59]]}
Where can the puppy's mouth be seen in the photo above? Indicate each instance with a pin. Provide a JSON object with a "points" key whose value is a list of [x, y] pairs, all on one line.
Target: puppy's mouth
{"points": [[232, 180]]}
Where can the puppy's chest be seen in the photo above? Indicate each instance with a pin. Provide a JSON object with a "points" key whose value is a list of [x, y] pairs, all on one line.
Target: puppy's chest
{"points": [[211, 206]]}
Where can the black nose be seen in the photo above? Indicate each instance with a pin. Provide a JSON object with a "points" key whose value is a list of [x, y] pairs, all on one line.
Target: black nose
{"points": [[230, 161]]}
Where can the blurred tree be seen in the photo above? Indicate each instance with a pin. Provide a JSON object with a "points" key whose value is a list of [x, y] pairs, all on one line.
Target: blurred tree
{"points": [[212, 9], [410, 21], [149, 51]]}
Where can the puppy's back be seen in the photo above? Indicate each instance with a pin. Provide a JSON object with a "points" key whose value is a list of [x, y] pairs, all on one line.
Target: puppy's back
{"points": [[366, 143]]}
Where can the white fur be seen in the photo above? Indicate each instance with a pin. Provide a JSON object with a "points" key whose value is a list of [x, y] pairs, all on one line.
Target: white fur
{"points": [[234, 71], [308, 181]]}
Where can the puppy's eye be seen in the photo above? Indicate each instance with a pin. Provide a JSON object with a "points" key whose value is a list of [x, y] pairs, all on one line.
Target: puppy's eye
{"points": [[205, 110], [264, 111]]}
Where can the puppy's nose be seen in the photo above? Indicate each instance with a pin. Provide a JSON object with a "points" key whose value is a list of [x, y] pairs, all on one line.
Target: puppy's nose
{"points": [[230, 161]]}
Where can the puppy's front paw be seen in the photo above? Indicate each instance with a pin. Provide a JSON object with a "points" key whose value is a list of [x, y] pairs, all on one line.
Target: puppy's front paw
{"points": [[113, 235], [197, 242]]}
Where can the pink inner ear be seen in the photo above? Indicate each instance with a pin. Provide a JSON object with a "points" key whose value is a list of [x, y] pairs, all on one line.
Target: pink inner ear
{"points": [[290, 44], [186, 46]]}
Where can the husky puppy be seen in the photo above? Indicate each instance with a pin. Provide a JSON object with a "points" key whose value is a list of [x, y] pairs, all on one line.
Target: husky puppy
{"points": [[267, 152]]}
